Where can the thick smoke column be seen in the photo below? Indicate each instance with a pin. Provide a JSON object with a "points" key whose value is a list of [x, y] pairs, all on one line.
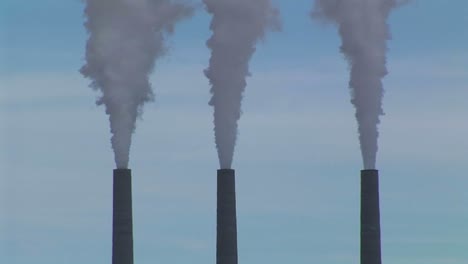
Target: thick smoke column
{"points": [[364, 33], [237, 26], [126, 36]]}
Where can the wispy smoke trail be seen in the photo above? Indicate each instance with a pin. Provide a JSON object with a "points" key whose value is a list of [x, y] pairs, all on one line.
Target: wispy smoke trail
{"points": [[364, 33], [125, 38], [237, 26]]}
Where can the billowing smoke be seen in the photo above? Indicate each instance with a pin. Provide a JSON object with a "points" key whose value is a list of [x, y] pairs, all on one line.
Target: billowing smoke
{"points": [[237, 26], [125, 39], [364, 33]]}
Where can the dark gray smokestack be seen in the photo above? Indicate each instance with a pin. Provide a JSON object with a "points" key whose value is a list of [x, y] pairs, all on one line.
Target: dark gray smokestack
{"points": [[226, 230], [370, 218], [122, 223]]}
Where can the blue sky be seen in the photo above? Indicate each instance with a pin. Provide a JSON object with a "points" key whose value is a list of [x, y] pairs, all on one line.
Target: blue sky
{"points": [[297, 157]]}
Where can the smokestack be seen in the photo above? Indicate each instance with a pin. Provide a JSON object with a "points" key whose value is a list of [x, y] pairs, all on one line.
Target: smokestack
{"points": [[226, 236], [370, 218], [122, 223]]}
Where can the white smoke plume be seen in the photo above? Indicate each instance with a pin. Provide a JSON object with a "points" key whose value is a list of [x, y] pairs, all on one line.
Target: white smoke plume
{"points": [[125, 39], [237, 26], [364, 33]]}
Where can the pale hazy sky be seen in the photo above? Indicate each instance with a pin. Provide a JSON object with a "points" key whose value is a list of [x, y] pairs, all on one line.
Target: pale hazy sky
{"points": [[297, 158]]}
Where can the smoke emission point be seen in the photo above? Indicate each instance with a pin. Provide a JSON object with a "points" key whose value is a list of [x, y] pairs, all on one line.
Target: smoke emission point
{"points": [[226, 228], [370, 218], [122, 218]]}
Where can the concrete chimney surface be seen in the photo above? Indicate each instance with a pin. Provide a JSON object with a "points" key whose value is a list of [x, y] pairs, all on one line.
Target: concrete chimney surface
{"points": [[122, 220], [226, 229], [370, 218]]}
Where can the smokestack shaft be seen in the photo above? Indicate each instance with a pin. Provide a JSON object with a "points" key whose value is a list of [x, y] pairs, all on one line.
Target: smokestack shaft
{"points": [[370, 218], [226, 235], [122, 222]]}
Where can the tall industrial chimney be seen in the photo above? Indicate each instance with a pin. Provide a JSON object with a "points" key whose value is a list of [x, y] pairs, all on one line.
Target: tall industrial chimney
{"points": [[226, 229], [122, 226], [370, 218]]}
